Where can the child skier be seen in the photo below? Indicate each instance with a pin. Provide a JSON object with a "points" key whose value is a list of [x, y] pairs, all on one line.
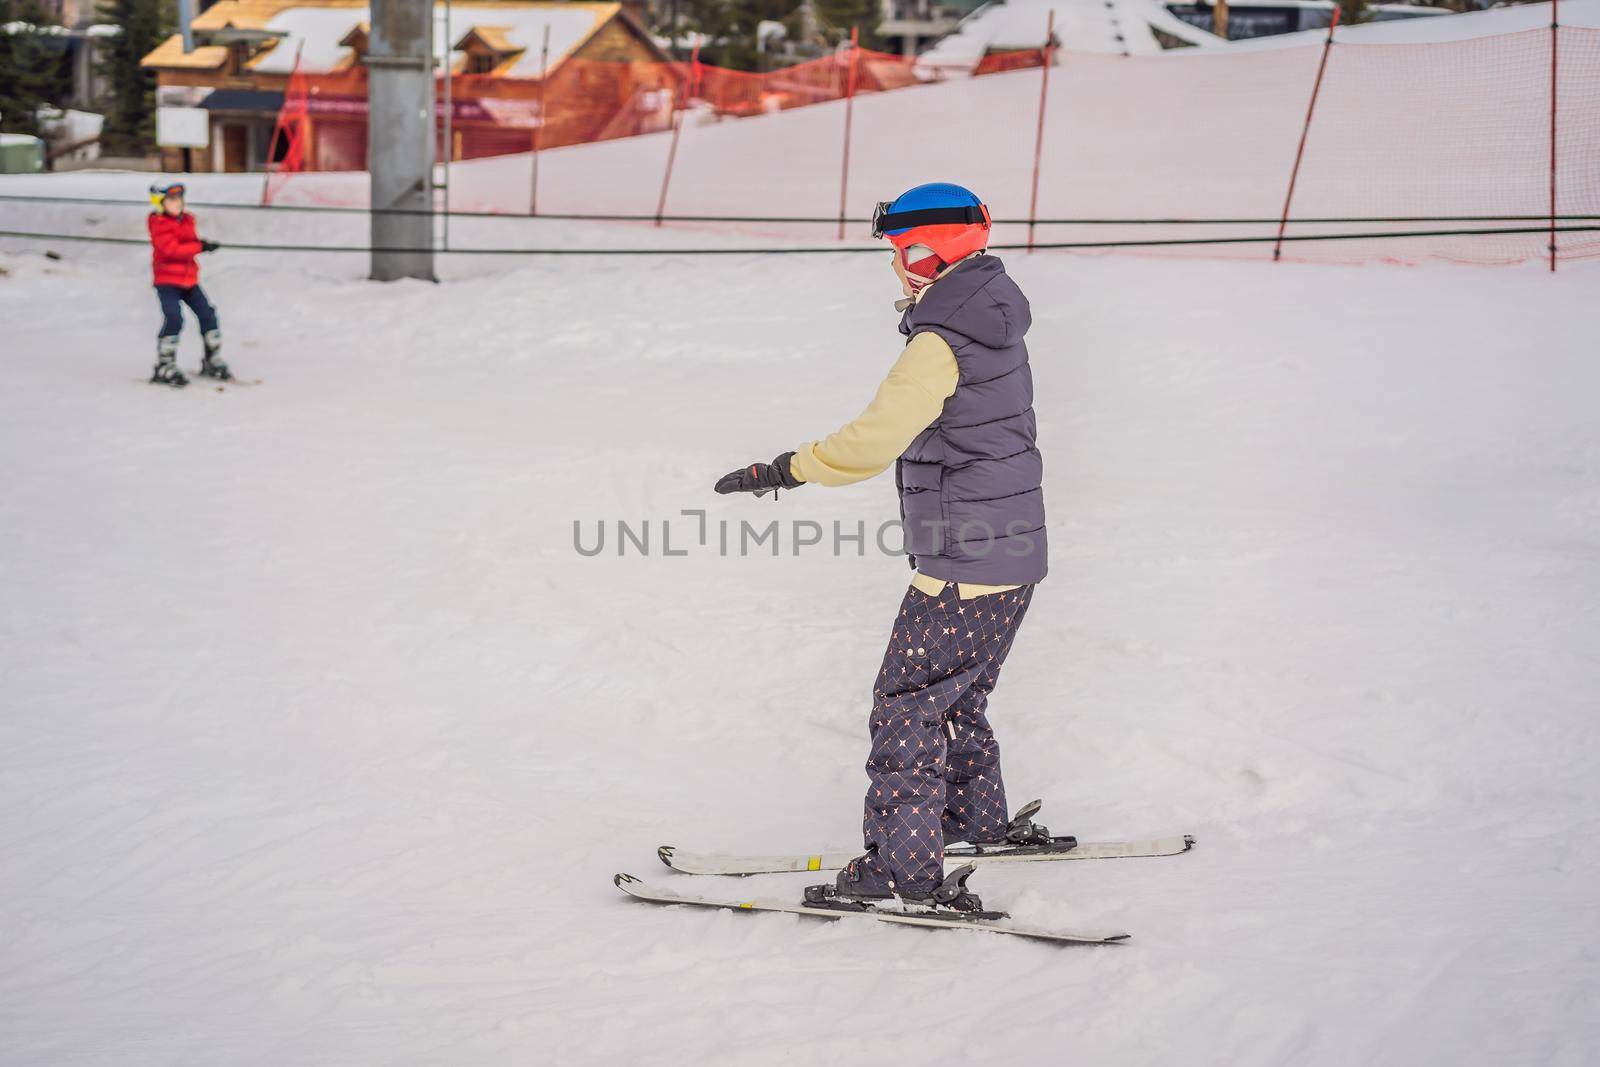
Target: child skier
{"points": [[177, 280], [955, 417]]}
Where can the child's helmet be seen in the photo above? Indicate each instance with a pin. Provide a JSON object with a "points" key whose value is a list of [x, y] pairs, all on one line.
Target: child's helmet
{"points": [[933, 226], [161, 190]]}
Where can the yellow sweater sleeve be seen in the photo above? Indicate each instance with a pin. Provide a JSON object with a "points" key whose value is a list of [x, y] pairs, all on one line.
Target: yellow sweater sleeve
{"points": [[907, 402]]}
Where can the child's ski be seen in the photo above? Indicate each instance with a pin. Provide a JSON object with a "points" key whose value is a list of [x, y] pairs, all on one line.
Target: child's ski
{"points": [[641, 890], [1062, 848], [220, 385]]}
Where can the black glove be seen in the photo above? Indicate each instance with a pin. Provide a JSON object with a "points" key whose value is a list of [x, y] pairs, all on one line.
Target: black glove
{"points": [[208, 246], [760, 478]]}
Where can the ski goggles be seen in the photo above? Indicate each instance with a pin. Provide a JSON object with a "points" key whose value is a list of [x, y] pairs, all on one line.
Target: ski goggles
{"points": [[159, 192], [884, 219]]}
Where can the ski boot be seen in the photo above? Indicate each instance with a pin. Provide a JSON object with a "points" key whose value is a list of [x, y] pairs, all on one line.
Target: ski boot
{"points": [[855, 890], [166, 371], [211, 364]]}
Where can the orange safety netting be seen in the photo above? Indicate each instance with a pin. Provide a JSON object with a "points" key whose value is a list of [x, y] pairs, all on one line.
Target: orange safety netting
{"points": [[1000, 62], [290, 135], [580, 101], [1457, 129], [737, 92]]}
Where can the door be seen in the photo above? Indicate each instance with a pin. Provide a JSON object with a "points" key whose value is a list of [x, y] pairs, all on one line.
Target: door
{"points": [[235, 148]]}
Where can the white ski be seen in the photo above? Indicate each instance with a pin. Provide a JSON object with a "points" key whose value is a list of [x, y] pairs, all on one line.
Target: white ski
{"points": [[727, 863], [641, 890]]}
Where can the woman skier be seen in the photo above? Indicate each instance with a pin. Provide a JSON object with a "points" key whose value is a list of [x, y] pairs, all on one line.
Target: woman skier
{"points": [[955, 416], [174, 247]]}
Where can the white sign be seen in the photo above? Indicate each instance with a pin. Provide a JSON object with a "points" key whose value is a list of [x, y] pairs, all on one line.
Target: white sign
{"points": [[183, 127]]}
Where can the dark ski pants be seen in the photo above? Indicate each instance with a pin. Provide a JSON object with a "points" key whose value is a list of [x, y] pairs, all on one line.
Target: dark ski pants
{"points": [[171, 296], [934, 770]]}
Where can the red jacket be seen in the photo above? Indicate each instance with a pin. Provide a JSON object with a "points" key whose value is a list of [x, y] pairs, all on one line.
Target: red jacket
{"points": [[175, 246]]}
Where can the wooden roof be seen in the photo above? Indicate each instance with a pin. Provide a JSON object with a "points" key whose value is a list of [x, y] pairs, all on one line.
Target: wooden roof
{"points": [[170, 54], [493, 37]]}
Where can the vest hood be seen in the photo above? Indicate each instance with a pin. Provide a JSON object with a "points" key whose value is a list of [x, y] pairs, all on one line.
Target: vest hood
{"points": [[977, 300]]}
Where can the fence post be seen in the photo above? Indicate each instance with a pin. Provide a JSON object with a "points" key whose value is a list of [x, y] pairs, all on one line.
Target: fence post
{"points": [[1038, 140], [1555, 24], [677, 128], [849, 108], [1311, 108], [539, 121], [449, 123]]}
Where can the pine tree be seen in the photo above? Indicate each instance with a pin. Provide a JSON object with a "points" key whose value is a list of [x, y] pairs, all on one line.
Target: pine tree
{"points": [[1353, 12], [839, 17], [131, 118], [35, 66], [731, 27]]}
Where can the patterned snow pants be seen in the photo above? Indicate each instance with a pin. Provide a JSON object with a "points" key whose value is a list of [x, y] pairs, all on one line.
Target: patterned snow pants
{"points": [[934, 770]]}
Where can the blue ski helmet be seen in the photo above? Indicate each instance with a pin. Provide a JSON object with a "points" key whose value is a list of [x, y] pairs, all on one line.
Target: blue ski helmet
{"points": [[948, 220]]}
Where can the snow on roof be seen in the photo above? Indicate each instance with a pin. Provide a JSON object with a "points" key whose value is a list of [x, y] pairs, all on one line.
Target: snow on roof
{"points": [[1111, 26], [312, 33], [1451, 27], [321, 29]]}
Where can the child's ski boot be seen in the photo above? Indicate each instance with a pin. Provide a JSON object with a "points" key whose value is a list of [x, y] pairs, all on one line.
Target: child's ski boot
{"points": [[166, 371], [855, 890], [212, 364]]}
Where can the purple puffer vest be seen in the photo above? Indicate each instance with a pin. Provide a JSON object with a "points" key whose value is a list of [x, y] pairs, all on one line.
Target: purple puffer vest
{"points": [[970, 496]]}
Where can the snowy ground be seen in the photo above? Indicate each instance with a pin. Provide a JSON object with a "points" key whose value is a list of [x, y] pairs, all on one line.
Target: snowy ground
{"points": [[322, 743]]}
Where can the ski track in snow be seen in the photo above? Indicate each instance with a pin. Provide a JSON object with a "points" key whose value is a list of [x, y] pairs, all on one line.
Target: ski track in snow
{"points": [[322, 743]]}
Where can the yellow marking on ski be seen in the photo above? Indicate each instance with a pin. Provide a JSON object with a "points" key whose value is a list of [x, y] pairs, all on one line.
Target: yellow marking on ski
{"points": [[813, 863], [749, 906]]}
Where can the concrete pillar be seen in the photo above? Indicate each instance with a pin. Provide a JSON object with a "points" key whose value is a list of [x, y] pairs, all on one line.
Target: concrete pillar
{"points": [[185, 17], [400, 138]]}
